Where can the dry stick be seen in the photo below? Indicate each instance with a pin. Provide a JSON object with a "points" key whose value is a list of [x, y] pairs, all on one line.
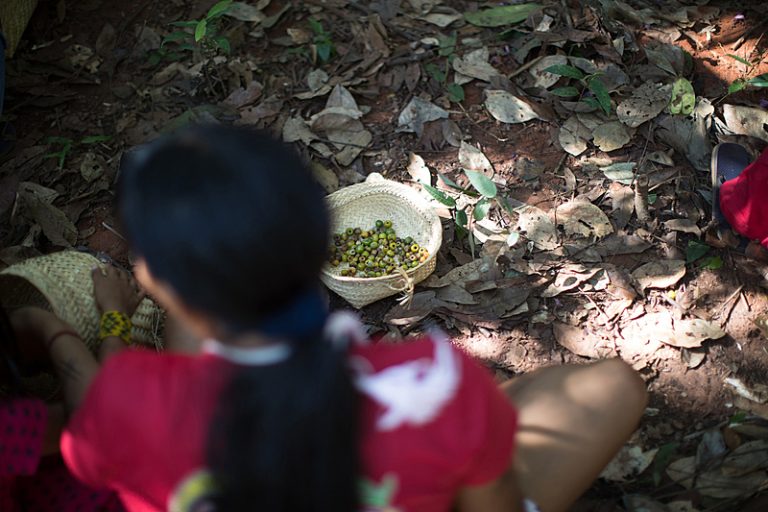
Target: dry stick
{"points": [[113, 231], [498, 139], [641, 199], [524, 67], [730, 310], [567, 13], [749, 32], [607, 318]]}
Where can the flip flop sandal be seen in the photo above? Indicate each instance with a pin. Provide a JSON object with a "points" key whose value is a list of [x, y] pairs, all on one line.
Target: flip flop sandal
{"points": [[728, 161]]}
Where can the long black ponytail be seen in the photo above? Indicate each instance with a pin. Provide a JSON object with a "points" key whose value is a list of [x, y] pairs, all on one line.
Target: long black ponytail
{"points": [[233, 221]]}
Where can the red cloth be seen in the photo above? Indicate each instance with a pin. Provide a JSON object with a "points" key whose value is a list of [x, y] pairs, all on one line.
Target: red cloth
{"points": [[142, 429], [744, 201], [33, 483]]}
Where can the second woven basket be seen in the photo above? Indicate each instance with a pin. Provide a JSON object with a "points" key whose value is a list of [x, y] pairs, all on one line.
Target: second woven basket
{"points": [[411, 215]]}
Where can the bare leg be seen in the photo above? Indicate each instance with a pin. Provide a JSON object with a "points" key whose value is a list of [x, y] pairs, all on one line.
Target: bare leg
{"points": [[573, 420]]}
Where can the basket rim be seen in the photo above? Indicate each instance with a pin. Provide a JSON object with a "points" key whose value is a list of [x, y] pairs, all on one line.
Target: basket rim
{"points": [[348, 279]]}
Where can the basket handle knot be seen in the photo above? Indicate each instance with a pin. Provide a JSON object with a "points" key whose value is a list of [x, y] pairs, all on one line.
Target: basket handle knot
{"points": [[407, 287]]}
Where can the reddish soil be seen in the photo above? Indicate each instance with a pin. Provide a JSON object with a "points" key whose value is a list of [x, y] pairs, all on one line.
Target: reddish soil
{"points": [[687, 400]]}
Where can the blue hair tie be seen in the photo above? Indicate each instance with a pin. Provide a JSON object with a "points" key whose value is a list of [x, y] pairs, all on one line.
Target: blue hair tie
{"points": [[304, 316]]}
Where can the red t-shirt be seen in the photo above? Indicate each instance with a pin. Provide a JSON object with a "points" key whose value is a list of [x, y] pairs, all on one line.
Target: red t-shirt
{"points": [[433, 421]]}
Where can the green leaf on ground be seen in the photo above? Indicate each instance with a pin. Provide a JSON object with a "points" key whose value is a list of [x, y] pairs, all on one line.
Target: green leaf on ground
{"points": [[695, 251], [565, 92], [95, 139], [184, 24], [440, 196], [662, 460], [565, 70], [455, 92], [502, 15], [736, 86], [461, 218], [740, 59], [178, 35], [223, 43], [683, 97], [712, 263], [601, 94], [482, 183], [200, 29], [448, 181], [435, 72], [759, 81], [447, 45], [482, 208], [219, 9]]}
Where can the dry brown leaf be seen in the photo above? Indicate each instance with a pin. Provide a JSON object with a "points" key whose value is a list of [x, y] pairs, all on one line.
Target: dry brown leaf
{"points": [[508, 108], [646, 102], [623, 204], [629, 462], [743, 120], [421, 306], [326, 177], [418, 169], [473, 159], [55, 224], [416, 113], [748, 457], [569, 278], [475, 65], [683, 225], [573, 136], [691, 333], [581, 342], [537, 227], [456, 294], [610, 136], [622, 244], [659, 274], [582, 218], [545, 79]]}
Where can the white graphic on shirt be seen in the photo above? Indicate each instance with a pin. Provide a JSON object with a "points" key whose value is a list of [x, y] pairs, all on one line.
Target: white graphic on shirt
{"points": [[414, 392]]}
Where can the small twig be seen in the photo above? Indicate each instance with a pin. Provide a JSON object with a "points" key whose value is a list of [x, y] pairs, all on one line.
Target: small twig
{"points": [[744, 296], [607, 318], [641, 199], [734, 295], [524, 67], [498, 139], [567, 13], [113, 231]]}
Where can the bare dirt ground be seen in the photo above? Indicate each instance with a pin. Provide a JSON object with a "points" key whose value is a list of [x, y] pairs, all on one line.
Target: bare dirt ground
{"points": [[91, 80]]}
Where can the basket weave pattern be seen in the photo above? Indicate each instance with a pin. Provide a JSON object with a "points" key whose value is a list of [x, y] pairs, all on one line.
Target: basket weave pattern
{"points": [[61, 282], [14, 16], [380, 199]]}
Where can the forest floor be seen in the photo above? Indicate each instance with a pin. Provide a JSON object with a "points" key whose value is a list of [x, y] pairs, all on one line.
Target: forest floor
{"points": [[565, 144]]}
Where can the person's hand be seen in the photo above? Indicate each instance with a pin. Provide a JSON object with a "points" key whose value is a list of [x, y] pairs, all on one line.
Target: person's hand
{"points": [[116, 290]]}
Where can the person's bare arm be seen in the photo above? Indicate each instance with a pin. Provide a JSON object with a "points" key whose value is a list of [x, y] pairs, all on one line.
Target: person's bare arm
{"points": [[500, 495], [71, 360]]}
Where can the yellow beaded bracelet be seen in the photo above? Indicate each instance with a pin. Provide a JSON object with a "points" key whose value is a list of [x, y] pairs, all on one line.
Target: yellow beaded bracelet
{"points": [[115, 323]]}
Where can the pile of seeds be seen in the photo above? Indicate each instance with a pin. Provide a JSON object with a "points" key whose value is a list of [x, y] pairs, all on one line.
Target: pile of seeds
{"points": [[375, 252]]}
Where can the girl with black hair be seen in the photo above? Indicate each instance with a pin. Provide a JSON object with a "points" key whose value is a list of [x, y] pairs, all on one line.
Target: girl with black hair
{"points": [[285, 409]]}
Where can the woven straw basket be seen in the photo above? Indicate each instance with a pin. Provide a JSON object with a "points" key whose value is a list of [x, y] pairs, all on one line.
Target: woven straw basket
{"points": [[14, 16], [360, 206], [61, 282]]}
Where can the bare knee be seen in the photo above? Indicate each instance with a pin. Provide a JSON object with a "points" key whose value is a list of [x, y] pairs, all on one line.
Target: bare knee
{"points": [[624, 382]]}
